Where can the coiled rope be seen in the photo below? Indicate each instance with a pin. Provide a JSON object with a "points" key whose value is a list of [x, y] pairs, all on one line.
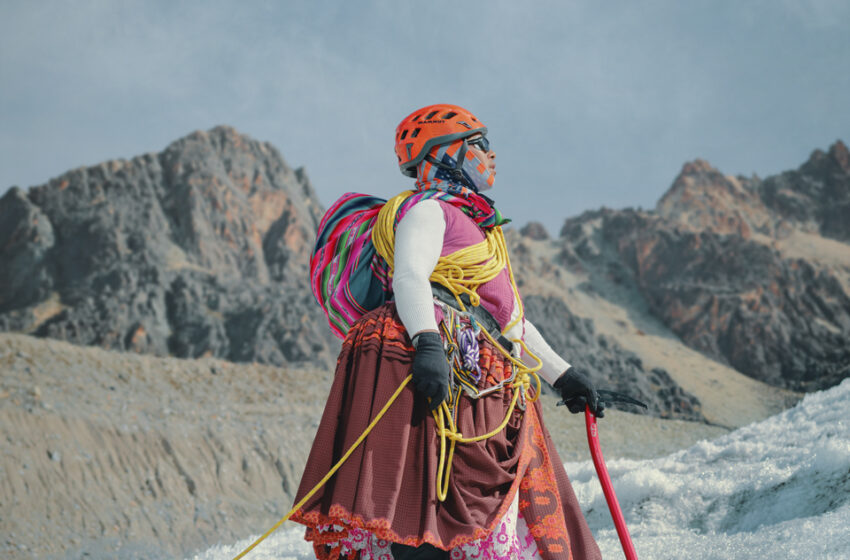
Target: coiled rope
{"points": [[462, 272], [447, 415]]}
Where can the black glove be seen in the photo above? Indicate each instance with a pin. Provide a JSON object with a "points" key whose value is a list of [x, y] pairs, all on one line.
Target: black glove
{"points": [[576, 390], [431, 367]]}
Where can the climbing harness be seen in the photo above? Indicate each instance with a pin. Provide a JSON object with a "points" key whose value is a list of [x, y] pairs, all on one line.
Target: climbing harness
{"points": [[461, 273], [446, 415]]}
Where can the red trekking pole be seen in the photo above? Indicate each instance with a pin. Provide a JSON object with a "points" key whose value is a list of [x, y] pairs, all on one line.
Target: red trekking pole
{"points": [[607, 487]]}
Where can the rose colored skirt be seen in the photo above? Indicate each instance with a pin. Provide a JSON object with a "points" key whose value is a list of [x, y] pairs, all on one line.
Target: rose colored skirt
{"points": [[387, 487]]}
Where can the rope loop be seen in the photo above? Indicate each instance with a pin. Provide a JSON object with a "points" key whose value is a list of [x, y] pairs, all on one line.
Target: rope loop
{"points": [[462, 273], [445, 414]]}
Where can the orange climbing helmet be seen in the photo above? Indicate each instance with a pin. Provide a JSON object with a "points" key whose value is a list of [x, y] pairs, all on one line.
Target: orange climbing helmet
{"points": [[431, 126]]}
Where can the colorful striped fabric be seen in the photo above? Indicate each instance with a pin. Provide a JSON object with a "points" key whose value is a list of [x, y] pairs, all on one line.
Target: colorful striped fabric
{"points": [[347, 276], [342, 274]]}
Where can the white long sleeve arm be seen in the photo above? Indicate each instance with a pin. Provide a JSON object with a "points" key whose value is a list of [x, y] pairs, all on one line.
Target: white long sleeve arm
{"points": [[418, 243], [553, 364]]}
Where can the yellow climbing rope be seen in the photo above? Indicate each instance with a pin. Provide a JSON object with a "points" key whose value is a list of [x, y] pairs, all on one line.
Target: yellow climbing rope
{"points": [[444, 413], [462, 272], [331, 472]]}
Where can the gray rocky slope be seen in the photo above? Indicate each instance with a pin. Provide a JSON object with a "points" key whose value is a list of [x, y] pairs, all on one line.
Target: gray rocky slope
{"points": [[753, 273], [200, 250]]}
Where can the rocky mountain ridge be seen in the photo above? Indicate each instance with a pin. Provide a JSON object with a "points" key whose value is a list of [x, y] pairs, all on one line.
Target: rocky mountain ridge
{"points": [[199, 250], [753, 273], [202, 251]]}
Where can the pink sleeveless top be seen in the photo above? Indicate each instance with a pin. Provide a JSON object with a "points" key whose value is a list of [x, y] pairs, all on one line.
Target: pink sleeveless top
{"points": [[497, 295]]}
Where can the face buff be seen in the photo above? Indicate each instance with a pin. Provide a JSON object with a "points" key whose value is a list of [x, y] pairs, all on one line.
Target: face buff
{"points": [[439, 170]]}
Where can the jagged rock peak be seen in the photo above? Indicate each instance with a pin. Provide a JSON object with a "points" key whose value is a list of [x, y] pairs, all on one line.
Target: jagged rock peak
{"points": [[696, 167], [841, 155], [534, 230], [749, 271], [201, 249], [836, 159], [702, 197], [816, 197], [224, 138], [696, 178]]}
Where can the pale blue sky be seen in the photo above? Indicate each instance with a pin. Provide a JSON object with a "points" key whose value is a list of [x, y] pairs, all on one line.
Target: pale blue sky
{"points": [[588, 103]]}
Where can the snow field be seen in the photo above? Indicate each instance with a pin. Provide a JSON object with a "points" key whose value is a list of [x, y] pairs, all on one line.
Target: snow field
{"points": [[777, 489]]}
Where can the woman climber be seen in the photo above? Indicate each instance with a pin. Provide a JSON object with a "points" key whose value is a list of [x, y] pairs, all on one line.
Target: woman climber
{"points": [[460, 465]]}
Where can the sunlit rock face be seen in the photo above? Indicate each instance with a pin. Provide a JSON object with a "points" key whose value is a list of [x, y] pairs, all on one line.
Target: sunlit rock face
{"points": [[753, 272], [200, 250]]}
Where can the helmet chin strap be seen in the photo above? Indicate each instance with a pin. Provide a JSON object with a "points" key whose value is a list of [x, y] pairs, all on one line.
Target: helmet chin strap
{"points": [[456, 171]]}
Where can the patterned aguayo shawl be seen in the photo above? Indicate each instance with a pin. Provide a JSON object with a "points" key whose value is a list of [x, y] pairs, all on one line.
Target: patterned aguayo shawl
{"points": [[347, 276]]}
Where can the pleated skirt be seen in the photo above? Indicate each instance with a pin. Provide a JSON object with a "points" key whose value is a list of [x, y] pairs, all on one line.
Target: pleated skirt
{"points": [[510, 489]]}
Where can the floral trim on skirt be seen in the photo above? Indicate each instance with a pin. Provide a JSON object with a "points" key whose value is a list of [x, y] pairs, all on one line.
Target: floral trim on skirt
{"points": [[386, 492]]}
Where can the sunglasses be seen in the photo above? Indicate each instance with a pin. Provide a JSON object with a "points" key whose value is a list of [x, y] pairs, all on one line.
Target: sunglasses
{"points": [[481, 143]]}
